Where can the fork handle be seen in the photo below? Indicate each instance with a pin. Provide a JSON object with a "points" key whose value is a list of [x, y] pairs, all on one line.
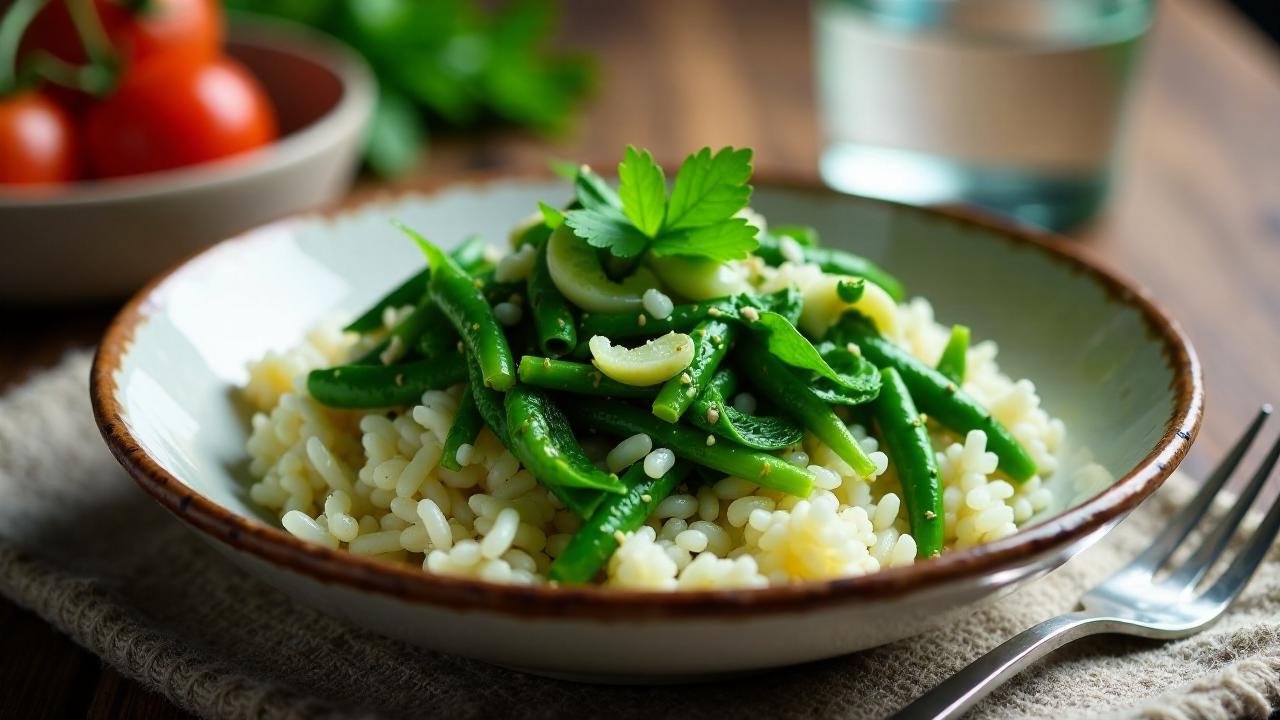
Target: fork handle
{"points": [[953, 696]]}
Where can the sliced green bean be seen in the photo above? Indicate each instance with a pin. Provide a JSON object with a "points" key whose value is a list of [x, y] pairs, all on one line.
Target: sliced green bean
{"points": [[467, 424], [575, 377], [941, 398], [492, 407], [465, 306], [711, 341], [906, 438], [470, 255], [683, 318], [792, 395], [552, 317], [379, 386], [954, 356], [832, 260], [754, 466], [544, 443], [760, 432], [595, 542]]}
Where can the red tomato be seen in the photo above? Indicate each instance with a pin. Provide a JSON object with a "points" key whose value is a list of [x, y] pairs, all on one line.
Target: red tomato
{"points": [[37, 141], [172, 30], [170, 115]]}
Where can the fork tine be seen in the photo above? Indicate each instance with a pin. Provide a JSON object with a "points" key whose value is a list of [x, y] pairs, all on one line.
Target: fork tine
{"points": [[1212, 546], [1159, 551], [1238, 573]]}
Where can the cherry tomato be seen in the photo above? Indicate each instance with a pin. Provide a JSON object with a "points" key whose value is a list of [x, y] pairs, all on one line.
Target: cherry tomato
{"points": [[170, 115], [37, 141], [171, 30]]}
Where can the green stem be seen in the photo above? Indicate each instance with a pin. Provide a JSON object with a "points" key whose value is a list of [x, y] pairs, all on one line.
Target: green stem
{"points": [[97, 46], [12, 28]]}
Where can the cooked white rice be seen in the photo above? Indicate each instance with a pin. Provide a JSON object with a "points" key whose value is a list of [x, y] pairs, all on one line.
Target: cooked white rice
{"points": [[371, 482]]}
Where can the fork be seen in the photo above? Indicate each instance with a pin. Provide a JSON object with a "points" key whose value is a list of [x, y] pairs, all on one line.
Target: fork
{"points": [[1133, 600]]}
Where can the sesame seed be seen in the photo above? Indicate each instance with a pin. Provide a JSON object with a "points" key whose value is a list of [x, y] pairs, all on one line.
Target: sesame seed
{"points": [[617, 535], [460, 347], [646, 498], [560, 322], [853, 349], [766, 470], [546, 362], [475, 326], [951, 387], [642, 320], [478, 283], [751, 314], [713, 415], [400, 379], [702, 332], [711, 440], [929, 514], [714, 312], [685, 379], [717, 340]]}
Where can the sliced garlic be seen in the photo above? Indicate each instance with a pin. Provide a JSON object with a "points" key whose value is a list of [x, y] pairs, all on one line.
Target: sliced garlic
{"points": [[574, 267], [649, 364]]}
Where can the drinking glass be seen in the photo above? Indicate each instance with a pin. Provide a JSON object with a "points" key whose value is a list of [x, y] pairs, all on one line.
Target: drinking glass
{"points": [[1012, 105]]}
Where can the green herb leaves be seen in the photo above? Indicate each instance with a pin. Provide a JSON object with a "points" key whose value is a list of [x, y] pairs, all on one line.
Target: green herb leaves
{"points": [[709, 189], [643, 190], [698, 219]]}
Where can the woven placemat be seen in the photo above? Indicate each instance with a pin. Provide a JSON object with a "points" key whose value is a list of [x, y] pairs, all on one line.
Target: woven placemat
{"points": [[89, 552]]}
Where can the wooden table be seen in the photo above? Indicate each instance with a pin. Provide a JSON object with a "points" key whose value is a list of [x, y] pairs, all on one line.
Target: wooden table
{"points": [[1196, 217]]}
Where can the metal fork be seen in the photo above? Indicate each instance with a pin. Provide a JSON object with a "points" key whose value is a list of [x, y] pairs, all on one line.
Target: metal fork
{"points": [[1133, 601]]}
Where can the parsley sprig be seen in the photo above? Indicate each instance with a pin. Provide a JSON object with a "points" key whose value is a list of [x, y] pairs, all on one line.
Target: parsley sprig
{"points": [[698, 218]]}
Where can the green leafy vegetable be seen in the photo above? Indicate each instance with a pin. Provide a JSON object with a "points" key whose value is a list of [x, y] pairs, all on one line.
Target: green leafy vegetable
{"points": [[709, 189], [859, 379], [463, 62], [698, 220], [643, 189]]}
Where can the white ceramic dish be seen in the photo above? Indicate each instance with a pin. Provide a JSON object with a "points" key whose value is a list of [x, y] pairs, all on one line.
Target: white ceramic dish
{"points": [[1105, 360], [104, 239]]}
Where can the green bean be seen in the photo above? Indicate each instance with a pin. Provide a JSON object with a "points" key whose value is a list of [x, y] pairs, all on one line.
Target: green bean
{"points": [[953, 360], [467, 424], [774, 379], [544, 443], [760, 432], [906, 440], [579, 378], [552, 316], [438, 338], [470, 255], [752, 465], [492, 407], [832, 260], [378, 386], [711, 340], [683, 318], [465, 306], [407, 293], [595, 542], [937, 396]]}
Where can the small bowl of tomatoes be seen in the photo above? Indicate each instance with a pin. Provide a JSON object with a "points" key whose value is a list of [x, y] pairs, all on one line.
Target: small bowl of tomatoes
{"points": [[134, 134]]}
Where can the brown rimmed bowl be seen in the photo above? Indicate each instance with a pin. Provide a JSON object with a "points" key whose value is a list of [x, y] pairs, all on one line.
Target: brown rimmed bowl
{"points": [[1105, 358]]}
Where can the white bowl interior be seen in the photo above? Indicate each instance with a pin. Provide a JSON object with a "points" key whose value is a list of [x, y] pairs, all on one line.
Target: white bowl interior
{"points": [[1092, 358]]}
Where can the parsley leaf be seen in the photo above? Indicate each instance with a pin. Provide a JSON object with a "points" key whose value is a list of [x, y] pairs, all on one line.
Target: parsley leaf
{"points": [[551, 216], [593, 192], [731, 239], [643, 190], [709, 188], [605, 227]]}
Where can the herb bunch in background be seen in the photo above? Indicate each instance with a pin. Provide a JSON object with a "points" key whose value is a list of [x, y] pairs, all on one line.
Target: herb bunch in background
{"points": [[448, 61]]}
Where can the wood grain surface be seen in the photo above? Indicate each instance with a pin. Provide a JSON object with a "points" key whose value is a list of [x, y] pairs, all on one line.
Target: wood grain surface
{"points": [[1195, 217]]}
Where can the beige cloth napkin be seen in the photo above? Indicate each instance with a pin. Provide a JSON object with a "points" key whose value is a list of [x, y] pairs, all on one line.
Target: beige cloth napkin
{"points": [[88, 551]]}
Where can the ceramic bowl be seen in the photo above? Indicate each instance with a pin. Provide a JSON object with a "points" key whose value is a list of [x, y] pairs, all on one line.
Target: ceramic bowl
{"points": [[1106, 360], [103, 239]]}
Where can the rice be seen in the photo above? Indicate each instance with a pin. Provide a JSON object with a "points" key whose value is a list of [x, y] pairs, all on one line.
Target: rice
{"points": [[372, 483]]}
